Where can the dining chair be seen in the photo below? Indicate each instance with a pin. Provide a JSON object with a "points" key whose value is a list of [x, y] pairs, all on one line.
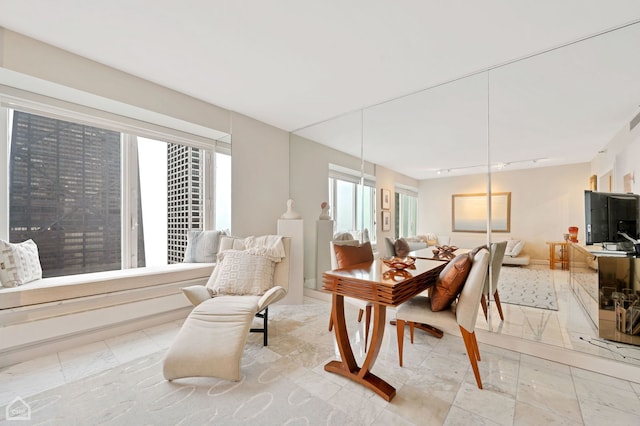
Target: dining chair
{"points": [[343, 256], [497, 255], [462, 313]]}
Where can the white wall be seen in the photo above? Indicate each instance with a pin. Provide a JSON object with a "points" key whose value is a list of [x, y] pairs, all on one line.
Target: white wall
{"points": [[309, 187], [260, 176], [386, 179], [260, 160], [73, 76], [545, 201], [309, 183], [621, 156]]}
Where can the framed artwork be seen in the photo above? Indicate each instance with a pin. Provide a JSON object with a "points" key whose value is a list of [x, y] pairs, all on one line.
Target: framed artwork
{"points": [[469, 212], [386, 221], [386, 199]]}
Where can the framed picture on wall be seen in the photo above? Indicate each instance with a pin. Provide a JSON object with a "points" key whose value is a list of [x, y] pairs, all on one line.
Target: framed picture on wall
{"points": [[386, 221], [469, 212], [386, 199]]}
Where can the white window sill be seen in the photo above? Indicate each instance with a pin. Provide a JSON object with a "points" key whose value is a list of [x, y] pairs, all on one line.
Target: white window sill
{"points": [[57, 289]]}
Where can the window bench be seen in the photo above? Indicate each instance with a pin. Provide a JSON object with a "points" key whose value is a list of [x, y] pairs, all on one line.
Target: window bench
{"points": [[43, 312]]}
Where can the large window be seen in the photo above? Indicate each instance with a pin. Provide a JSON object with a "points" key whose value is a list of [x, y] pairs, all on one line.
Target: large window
{"points": [[352, 204], [96, 199], [406, 205]]}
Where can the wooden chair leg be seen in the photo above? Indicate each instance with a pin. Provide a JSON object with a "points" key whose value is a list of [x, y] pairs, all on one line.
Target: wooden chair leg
{"points": [[411, 329], [471, 345], [476, 349], [360, 312], [400, 334], [330, 322], [483, 302], [496, 297], [367, 318]]}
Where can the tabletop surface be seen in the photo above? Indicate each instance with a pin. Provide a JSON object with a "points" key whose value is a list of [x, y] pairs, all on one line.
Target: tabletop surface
{"points": [[377, 283]]}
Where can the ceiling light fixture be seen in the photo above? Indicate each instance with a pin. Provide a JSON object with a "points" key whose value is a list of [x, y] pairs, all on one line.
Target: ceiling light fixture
{"points": [[497, 166]]}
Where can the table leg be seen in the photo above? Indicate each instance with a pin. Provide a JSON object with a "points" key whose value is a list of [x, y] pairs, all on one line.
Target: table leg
{"points": [[435, 332], [348, 366]]}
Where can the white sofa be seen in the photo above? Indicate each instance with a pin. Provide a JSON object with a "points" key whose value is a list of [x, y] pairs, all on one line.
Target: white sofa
{"points": [[417, 242], [513, 254]]}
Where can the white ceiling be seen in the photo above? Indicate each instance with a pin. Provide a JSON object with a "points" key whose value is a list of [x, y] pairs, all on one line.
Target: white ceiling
{"points": [[296, 63]]}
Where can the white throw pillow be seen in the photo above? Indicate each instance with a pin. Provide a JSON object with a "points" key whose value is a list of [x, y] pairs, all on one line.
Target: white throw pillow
{"points": [[241, 273], [19, 263], [514, 247], [202, 246]]}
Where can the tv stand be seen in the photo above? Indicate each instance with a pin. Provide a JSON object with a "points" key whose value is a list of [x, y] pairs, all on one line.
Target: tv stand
{"points": [[607, 285]]}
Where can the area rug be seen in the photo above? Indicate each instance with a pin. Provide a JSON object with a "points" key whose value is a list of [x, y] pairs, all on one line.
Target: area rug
{"points": [[527, 287]]}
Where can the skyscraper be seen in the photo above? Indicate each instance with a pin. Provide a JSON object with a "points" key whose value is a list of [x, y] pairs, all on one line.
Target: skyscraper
{"points": [[65, 194], [184, 192]]}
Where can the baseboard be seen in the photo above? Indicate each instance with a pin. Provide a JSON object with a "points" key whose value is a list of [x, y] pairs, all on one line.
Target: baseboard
{"points": [[41, 348]]}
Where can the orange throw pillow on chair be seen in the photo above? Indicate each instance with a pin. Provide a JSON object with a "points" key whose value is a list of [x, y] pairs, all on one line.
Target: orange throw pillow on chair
{"points": [[450, 282], [351, 255]]}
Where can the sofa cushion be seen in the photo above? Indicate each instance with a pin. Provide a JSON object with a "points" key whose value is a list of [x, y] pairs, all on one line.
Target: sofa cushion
{"points": [[347, 255], [402, 247], [19, 263], [450, 282], [241, 273], [202, 246], [514, 247]]}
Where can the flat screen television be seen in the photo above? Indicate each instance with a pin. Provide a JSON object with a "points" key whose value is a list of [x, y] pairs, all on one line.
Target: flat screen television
{"points": [[607, 214]]}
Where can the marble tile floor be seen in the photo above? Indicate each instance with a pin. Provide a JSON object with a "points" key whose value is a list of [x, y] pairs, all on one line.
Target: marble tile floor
{"points": [[436, 385], [569, 327]]}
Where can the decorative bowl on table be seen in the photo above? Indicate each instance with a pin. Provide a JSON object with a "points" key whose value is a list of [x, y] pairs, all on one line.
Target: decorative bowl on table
{"points": [[444, 252], [399, 263]]}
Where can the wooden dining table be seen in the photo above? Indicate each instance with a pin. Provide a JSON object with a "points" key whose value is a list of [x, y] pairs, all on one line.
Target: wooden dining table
{"points": [[374, 282]]}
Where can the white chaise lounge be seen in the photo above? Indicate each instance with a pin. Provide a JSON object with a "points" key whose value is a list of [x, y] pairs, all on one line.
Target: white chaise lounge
{"points": [[212, 338]]}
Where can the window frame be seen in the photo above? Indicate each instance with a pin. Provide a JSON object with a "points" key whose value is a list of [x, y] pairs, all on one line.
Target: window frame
{"points": [[402, 192], [130, 130], [337, 173]]}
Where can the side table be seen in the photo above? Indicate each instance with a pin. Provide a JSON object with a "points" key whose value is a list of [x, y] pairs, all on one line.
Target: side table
{"points": [[560, 256]]}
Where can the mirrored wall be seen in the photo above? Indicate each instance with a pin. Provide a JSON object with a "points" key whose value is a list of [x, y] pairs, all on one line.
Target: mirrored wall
{"points": [[482, 134]]}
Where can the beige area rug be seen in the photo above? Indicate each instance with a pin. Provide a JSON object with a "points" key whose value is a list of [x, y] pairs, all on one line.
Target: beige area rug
{"points": [[527, 287]]}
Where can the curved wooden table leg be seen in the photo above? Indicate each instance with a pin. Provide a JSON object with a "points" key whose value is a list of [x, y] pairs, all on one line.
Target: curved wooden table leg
{"points": [[348, 366]]}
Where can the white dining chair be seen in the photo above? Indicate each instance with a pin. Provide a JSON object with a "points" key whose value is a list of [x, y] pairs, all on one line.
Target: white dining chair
{"points": [[459, 319]]}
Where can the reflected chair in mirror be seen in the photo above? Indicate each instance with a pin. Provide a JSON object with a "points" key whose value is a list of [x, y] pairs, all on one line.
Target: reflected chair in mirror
{"points": [[346, 255], [459, 318], [497, 255]]}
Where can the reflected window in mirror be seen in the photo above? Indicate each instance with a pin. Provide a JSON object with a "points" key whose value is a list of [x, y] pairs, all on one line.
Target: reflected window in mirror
{"points": [[352, 205], [406, 206]]}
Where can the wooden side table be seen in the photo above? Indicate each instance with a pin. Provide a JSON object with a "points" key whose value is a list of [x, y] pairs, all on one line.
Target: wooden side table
{"points": [[560, 256]]}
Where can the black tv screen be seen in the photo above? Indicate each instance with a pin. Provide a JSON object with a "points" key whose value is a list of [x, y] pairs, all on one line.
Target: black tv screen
{"points": [[608, 213]]}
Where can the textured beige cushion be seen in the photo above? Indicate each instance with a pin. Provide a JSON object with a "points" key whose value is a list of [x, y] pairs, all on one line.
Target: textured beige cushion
{"points": [[19, 263], [202, 246], [514, 247], [239, 272], [212, 338]]}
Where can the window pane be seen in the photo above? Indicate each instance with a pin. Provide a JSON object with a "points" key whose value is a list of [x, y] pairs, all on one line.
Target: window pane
{"points": [[223, 191], [64, 193], [152, 162], [185, 197], [345, 213], [407, 214]]}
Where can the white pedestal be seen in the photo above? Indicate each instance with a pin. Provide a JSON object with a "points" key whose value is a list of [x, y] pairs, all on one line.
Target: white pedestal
{"points": [[324, 234], [294, 229]]}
